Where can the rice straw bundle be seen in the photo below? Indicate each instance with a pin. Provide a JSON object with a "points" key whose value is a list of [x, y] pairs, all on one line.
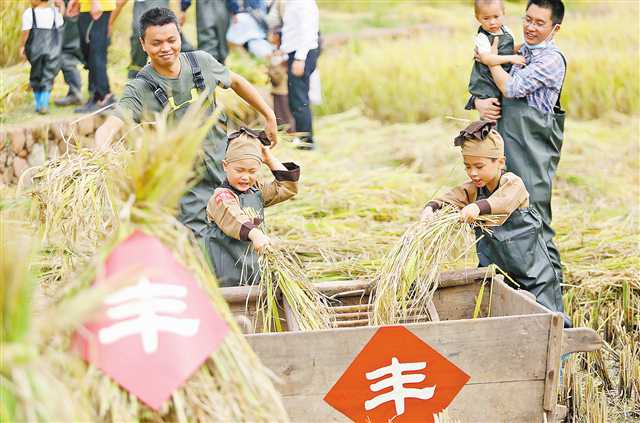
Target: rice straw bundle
{"points": [[33, 373], [280, 272], [143, 184], [408, 277], [73, 205]]}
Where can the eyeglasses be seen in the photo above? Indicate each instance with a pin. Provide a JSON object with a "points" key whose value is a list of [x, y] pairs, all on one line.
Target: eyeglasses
{"points": [[527, 21]]}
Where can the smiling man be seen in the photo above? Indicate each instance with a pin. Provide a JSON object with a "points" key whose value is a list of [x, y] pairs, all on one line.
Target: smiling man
{"points": [[530, 118], [174, 80]]}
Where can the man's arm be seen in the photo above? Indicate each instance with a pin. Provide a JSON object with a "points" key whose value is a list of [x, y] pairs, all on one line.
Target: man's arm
{"points": [[248, 93], [500, 77], [106, 131]]}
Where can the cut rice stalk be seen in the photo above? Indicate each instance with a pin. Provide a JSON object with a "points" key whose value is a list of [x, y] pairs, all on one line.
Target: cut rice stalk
{"points": [[408, 277], [281, 273]]}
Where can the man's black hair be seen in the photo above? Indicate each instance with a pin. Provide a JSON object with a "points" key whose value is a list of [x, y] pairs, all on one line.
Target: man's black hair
{"points": [[158, 16], [556, 7]]}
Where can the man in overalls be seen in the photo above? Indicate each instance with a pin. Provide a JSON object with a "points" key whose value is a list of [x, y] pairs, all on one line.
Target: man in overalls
{"points": [[530, 118], [174, 80]]}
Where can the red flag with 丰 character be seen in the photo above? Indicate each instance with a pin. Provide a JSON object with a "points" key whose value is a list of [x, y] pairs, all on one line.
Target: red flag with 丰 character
{"points": [[396, 378], [151, 335]]}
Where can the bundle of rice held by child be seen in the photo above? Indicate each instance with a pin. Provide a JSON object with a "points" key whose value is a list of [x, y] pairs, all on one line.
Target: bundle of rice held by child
{"points": [[280, 272], [138, 187], [405, 283]]}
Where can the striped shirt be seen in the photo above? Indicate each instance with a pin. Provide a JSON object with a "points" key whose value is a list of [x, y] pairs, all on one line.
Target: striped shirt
{"points": [[540, 80]]}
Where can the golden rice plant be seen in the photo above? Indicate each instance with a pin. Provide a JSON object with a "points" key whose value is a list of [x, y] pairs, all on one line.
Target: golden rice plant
{"points": [[280, 273], [408, 277], [36, 378]]}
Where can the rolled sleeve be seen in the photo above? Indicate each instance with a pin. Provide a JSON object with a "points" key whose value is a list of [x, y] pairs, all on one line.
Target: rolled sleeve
{"points": [[291, 174]]}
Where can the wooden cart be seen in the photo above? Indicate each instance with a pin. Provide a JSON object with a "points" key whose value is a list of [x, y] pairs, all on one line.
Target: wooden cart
{"points": [[513, 356]]}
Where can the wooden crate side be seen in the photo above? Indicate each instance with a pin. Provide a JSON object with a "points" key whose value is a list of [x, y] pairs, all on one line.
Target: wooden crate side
{"points": [[507, 301], [458, 302], [507, 402], [553, 364], [492, 351], [242, 301]]}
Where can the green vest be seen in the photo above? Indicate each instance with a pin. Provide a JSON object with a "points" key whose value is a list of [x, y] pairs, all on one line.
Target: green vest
{"points": [[235, 262], [481, 82]]}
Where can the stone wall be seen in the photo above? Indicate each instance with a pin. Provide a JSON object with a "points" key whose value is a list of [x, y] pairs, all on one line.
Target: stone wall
{"points": [[22, 147]]}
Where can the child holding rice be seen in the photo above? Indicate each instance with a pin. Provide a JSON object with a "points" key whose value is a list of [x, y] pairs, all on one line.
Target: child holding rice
{"points": [[236, 208], [515, 244]]}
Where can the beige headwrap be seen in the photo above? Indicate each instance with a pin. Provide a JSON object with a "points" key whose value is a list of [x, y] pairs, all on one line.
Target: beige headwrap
{"points": [[480, 139], [243, 146]]}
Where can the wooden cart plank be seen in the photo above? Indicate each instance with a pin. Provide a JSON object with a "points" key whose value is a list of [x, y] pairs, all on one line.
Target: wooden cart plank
{"points": [[489, 350], [553, 363], [517, 401], [580, 339], [507, 301]]}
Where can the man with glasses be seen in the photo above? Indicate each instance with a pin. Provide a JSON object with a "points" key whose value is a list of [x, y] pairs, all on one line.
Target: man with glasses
{"points": [[530, 118]]}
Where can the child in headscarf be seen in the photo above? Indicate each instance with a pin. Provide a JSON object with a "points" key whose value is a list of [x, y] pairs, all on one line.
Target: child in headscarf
{"points": [[515, 244], [236, 208]]}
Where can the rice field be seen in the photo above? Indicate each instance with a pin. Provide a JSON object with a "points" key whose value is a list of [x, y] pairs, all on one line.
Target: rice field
{"points": [[385, 148]]}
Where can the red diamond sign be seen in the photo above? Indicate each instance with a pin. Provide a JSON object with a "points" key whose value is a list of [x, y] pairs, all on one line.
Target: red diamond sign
{"points": [[151, 336], [396, 377]]}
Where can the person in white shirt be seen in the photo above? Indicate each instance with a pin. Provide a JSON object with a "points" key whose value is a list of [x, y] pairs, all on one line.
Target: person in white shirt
{"points": [[41, 45], [300, 40]]}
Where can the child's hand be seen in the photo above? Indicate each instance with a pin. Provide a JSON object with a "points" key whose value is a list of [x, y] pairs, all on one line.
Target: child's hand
{"points": [[518, 60], [22, 53], [494, 45], [470, 213], [297, 67], [259, 239], [427, 214], [266, 154]]}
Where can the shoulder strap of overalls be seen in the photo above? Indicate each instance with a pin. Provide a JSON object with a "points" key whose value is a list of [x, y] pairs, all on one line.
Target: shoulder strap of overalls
{"points": [[198, 79], [54, 27], [158, 92], [558, 108], [34, 24]]}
